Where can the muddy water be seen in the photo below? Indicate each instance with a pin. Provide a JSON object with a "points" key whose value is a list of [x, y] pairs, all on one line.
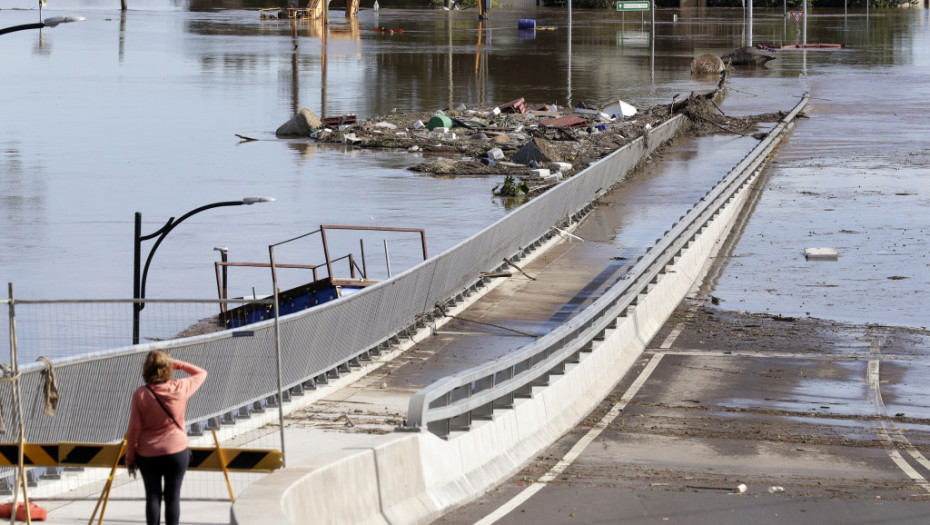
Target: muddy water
{"points": [[139, 112], [852, 177]]}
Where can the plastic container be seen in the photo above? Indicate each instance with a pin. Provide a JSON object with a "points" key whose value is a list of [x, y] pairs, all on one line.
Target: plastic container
{"points": [[526, 23], [439, 121]]}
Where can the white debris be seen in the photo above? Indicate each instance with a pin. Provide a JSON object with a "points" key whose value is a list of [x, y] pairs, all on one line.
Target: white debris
{"points": [[620, 109], [386, 125], [821, 253], [741, 488]]}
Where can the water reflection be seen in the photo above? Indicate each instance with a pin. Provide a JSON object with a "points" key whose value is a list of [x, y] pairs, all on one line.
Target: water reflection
{"points": [[92, 134]]}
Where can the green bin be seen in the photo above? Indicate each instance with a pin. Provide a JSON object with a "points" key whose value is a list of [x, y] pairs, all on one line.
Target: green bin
{"points": [[439, 121]]}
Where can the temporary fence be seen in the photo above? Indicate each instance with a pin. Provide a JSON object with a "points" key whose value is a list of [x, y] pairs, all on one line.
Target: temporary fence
{"points": [[295, 352], [88, 394]]}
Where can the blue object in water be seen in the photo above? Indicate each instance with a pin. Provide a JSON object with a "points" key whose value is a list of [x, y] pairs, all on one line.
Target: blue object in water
{"points": [[526, 23]]}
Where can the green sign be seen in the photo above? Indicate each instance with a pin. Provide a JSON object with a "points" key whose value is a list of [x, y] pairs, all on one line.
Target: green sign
{"points": [[633, 6]]}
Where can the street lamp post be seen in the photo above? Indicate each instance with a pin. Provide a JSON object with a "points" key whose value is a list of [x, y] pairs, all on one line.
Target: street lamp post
{"points": [[138, 284], [48, 22]]}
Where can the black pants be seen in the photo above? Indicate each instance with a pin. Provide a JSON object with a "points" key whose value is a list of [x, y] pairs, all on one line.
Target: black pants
{"points": [[171, 468]]}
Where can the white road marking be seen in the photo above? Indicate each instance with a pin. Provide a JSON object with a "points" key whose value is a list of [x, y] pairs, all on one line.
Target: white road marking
{"points": [[890, 432], [576, 450]]}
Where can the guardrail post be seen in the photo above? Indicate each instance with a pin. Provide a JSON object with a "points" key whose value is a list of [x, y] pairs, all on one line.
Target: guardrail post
{"points": [[462, 421], [440, 428]]}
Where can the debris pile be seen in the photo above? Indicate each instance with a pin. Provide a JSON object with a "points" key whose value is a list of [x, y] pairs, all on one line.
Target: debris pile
{"points": [[538, 144]]}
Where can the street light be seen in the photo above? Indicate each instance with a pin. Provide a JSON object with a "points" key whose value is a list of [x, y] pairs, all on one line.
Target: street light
{"points": [[48, 22], [138, 284]]}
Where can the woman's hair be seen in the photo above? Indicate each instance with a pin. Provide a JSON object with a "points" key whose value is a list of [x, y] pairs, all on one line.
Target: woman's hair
{"points": [[158, 367]]}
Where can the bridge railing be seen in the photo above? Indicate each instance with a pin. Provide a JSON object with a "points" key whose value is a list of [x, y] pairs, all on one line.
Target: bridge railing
{"points": [[452, 403]]}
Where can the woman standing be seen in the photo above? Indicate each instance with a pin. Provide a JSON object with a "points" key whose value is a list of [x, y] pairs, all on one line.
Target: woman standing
{"points": [[156, 439]]}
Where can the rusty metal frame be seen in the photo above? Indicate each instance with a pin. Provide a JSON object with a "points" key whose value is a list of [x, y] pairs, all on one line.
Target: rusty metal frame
{"points": [[354, 268], [324, 227]]}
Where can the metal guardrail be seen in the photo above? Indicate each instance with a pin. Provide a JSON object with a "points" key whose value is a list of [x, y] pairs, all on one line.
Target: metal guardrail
{"points": [[451, 403]]}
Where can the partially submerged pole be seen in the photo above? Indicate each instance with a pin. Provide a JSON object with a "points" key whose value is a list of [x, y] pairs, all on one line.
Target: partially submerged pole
{"points": [[749, 26], [387, 258]]}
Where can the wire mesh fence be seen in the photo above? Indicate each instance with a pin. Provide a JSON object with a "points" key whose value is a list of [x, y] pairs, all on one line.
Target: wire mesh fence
{"points": [[93, 370], [62, 329]]}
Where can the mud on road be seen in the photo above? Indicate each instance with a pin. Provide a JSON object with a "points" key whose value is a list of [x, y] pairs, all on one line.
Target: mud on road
{"points": [[765, 401]]}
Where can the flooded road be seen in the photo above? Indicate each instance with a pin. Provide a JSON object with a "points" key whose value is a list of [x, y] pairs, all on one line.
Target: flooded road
{"points": [[139, 111]]}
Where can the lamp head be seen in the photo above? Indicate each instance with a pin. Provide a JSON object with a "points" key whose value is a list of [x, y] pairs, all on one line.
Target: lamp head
{"points": [[253, 200], [55, 20]]}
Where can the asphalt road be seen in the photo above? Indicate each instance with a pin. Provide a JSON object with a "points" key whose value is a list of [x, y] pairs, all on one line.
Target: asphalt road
{"points": [[741, 418]]}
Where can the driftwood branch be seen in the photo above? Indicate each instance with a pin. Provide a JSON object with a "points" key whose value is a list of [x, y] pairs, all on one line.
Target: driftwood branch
{"points": [[511, 263]]}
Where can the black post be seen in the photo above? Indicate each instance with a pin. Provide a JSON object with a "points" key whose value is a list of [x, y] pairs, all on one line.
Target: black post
{"points": [[137, 250]]}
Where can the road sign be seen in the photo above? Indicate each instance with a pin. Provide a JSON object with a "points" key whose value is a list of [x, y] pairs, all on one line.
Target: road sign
{"points": [[797, 15], [632, 5]]}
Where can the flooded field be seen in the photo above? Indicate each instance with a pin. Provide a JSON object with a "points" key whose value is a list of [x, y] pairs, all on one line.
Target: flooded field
{"points": [[139, 111]]}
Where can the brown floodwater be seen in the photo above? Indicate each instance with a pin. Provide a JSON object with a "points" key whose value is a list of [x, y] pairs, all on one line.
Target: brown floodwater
{"points": [[139, 111]]}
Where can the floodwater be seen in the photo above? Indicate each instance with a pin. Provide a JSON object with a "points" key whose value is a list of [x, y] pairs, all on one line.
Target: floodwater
{"points": [[139, 111], [852, 177]]}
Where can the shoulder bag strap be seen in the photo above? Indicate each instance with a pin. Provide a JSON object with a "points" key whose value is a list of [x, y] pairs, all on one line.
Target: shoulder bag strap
{"points": [[164, 407]]}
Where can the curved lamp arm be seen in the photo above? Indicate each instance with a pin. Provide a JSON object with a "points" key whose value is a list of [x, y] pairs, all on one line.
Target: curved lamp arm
{"points": [[48, 22], [161, 233]]}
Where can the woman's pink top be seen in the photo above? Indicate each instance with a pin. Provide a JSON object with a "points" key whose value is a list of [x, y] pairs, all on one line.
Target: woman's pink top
{"points": [[151, 431]]}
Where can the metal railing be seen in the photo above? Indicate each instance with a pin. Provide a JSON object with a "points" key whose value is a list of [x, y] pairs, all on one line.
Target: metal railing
{"points": [[452, 403]]}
